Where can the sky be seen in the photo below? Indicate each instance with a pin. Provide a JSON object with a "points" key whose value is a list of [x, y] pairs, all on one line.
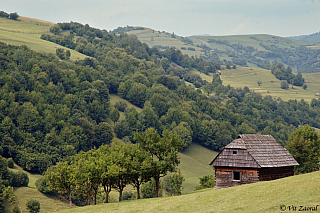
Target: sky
{"points": [[183, 17]]}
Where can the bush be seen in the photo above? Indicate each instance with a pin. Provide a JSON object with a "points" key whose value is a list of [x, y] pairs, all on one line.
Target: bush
{"points": [[33, 206], [60, 53], [206, 181], [41, 185], [129, 195], [173, 183], [18, 179], [305, 86], [284, 85], [13, 16], [147, 189], [16, 209], [197, 84], [4, 14], [121, 105], [10, 163]]}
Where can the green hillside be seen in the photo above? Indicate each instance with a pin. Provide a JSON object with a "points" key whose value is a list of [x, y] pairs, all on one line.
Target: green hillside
{"points": [[248, 77], [153, 38], [48, 203], [27, 31], [251, 40], [258, 197], [194, 163], [245, 76]]}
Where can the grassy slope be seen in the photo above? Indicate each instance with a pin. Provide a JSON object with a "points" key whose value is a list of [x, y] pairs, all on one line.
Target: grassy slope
{"points": [[246, 40], [258, 197], [163, 39], [47, 203], [249, 76], [194, 163], [27, 32]]}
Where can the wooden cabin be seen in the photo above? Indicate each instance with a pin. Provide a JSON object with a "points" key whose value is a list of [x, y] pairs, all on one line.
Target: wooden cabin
{"points": [[252, 158]]}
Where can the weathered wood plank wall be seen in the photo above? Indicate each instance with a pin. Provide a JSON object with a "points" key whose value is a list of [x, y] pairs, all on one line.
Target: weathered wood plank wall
{"points": [[223, 176], [273, 173]]}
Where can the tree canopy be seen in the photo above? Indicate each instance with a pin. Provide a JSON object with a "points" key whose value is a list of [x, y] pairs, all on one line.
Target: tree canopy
{"points": [[304, 146]]}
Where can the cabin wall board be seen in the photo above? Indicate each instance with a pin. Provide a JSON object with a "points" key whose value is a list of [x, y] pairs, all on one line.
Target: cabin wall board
{"points": [[223, 176], [273, 173]]}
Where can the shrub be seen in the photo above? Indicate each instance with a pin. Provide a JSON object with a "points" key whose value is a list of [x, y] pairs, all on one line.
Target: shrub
{"points": [[33, 206], [18, 179], [206, 181], [10, 163], [129, 195], [13, 16], [16, 209], [173, 183], [121, 105], [148, 189], [42, 186], [197, 84], [305, 86], [284, 85]]}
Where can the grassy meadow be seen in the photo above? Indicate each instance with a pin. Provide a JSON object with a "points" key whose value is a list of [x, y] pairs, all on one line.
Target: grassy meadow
{"points": [[50, 203], [249, 76], [252, 40], [153, 37], [194, 163], [27, 31], [265, 196]]}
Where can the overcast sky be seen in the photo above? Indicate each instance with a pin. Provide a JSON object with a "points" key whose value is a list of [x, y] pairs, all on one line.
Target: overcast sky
{"points": [[183, 17]]}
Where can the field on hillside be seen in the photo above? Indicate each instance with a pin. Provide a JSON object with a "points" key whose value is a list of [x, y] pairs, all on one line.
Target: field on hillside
{"points": [[252, 40], [20, 26], [153, 37], [47, 203], [266, 196], [249, 76], [194, 163], [28, 33]]}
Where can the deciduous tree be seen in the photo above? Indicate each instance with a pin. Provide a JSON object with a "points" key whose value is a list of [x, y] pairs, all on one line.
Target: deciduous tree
{"points": [[304, 146], [61, 179], [163, 150]]}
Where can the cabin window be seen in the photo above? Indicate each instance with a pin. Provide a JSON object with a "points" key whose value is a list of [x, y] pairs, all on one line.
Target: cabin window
{"points": [[236, 175], [234, 152]]}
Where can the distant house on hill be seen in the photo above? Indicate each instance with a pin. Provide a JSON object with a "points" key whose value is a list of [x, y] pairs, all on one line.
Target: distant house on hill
{"points": [[252, 158]]}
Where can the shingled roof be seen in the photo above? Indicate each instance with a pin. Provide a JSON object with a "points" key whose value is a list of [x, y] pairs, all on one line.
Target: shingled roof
{"points": [[255, 151]]}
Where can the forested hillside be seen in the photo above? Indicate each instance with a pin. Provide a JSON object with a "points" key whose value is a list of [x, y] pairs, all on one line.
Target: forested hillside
{"points": [[52, 109], [311, 37]]}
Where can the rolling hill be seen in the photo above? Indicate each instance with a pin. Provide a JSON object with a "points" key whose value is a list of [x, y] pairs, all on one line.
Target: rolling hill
{"points": [[27, 31], [311, 37], [268, 196]]}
